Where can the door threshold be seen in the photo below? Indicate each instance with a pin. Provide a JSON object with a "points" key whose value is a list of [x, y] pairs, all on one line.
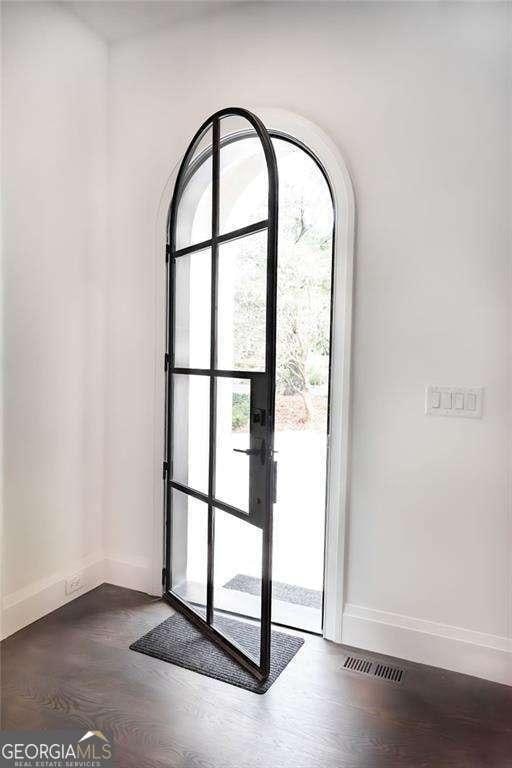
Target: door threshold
{"points": [[233, 602]]}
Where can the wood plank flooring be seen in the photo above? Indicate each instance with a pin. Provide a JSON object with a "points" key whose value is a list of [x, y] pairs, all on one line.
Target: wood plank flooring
{"points": [[73, 668]]}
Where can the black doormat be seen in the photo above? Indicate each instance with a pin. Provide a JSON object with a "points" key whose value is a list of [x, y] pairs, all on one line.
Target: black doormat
{"points": [[178, 641], [288, 593]]}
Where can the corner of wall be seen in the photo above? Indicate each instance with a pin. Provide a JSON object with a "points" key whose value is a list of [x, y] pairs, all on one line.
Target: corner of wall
{"points": [[40, 598], [36, 600]]}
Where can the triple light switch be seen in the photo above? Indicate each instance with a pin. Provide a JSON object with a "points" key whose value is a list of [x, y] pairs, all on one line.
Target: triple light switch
{"points": [[454, 401]]}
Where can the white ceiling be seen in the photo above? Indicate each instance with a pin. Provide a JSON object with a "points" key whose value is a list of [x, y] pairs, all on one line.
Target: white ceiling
{"points": [[116, 20]]}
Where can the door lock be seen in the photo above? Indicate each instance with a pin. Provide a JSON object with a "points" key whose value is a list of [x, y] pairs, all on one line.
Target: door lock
{"points": [[259, 416]]}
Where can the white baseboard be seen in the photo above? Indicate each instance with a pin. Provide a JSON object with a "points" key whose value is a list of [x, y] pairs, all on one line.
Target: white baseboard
{"points": [[45, 595], [36, 600], [133, 574], [426, 642]]}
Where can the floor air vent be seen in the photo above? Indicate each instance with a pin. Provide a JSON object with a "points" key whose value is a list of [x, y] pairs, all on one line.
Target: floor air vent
{"points": [[367, 667], [393, 674], [358, 665]]}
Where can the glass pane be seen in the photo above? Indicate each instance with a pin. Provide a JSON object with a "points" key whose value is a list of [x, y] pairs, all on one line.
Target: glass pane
{"points": [[190, 430], [237, 580], [232, 468], [189, 550], [243, 192], [192, 310], [194, 215], [242, 300]]}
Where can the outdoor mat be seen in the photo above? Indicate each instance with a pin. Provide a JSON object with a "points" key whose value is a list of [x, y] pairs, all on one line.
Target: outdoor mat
{"points": [[288, 593], [178, 641]]}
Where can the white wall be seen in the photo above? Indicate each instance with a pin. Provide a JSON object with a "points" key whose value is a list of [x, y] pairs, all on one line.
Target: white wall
{"points": [[54, 143], [416, 96]]}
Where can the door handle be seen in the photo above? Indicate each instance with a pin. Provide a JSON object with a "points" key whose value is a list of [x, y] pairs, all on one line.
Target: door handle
{"points": [[261, 452]]}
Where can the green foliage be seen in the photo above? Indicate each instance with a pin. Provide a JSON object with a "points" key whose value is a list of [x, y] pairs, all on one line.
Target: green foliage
{"points": [[304, 298], [304, 282], [316, 377], [240, 411]]}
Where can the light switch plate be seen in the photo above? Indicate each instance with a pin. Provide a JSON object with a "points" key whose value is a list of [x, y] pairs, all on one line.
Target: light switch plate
{"points": [[443, 400]]}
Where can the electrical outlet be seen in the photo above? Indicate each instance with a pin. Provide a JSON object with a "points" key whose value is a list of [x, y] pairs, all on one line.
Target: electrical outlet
{"points": [[75, 583]]}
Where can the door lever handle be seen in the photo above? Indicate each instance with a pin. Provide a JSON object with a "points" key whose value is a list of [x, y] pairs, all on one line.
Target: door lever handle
{"points": [[261, 452], [250, 451]]}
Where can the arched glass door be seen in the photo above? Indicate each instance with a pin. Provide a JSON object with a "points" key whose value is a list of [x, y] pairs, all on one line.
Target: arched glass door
{"points": [[219, 467]]}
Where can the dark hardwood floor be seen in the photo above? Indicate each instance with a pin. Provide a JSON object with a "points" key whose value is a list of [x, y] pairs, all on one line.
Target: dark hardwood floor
{"points": [[74, 669]]}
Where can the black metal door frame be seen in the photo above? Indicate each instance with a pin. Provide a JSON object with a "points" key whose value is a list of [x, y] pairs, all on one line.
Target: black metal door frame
{"points": [[261, 382]]}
